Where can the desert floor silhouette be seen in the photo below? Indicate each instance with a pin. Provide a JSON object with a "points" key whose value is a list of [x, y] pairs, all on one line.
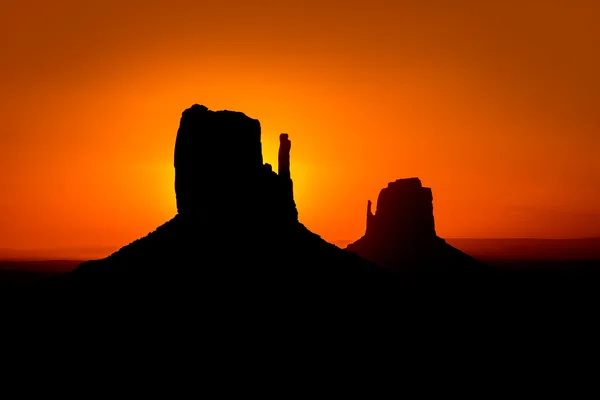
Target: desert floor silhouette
{"points": [[236, 274], [224, 197], [225, 190]]}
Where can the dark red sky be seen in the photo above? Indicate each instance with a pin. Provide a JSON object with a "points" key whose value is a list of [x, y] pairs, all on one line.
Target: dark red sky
{"points": [[495, 105]]}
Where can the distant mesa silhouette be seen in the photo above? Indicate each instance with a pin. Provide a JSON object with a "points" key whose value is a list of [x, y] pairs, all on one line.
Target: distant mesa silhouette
{"points": [[236, 234], [401, 234]]}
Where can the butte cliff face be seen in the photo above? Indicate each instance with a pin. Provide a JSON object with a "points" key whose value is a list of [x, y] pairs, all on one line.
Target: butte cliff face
{"points": [[220, 177], [401, 233]]}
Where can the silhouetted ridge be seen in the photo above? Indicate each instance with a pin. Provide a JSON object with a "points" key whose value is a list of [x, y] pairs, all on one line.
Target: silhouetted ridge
{"points": [[236, 236], [401, 234], [235, 271]]}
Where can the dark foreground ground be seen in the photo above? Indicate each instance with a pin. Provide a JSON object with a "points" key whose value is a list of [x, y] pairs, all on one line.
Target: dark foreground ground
{"points": [[563, 287], [16, 275], [543, 258], [516, 311]]}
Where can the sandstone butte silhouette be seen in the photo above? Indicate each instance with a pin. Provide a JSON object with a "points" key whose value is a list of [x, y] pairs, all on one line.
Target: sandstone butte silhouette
{"points": [[234, 277], [236, 237], [401, 234]]}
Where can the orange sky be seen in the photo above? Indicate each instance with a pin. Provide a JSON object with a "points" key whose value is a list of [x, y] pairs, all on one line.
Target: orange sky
{"points": [[494, 106]]}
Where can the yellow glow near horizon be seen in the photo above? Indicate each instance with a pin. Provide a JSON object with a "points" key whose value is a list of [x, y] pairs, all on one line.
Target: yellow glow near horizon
{"points": [[497, 115]]}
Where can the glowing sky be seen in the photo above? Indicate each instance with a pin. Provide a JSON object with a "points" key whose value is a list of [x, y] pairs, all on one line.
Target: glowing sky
{"points": [[495, 105]]}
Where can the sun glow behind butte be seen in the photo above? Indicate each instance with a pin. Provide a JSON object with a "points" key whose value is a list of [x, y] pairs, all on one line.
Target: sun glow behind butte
{"points": [[493, 106]]}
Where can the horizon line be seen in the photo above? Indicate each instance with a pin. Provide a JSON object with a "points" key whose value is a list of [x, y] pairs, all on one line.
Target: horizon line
{"points": [[107, 247]]}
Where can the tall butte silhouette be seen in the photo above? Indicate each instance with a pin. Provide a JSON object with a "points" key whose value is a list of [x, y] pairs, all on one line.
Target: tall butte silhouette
{"points": [[236, 235]]}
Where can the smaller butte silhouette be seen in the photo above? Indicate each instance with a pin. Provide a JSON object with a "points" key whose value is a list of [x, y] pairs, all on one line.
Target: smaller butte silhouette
{"points": [[401, 235]]}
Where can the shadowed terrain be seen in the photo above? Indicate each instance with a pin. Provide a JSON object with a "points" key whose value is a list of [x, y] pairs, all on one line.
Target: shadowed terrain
{"points": [[236, 267], [196, 261]]}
